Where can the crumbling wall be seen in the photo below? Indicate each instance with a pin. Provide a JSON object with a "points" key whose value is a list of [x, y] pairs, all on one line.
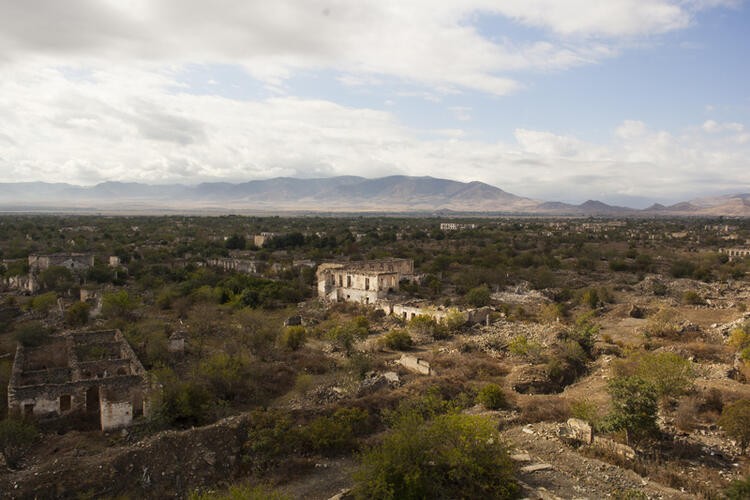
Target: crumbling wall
{"points": [[415, 364]]}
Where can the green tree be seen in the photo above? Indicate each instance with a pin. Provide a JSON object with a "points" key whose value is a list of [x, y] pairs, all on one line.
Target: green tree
{"points": [[16, 437], [670, 374], [478, 296], [44, 303], [492, 397], [56, 278], [451, 456], [345, 335], [119, 305], [398, 340], [634, 407], [31, 334], [735, 420], [77, 314]]}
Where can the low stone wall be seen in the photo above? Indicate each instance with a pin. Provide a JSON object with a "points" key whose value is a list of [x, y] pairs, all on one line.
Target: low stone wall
{"points": [[415, 364]]}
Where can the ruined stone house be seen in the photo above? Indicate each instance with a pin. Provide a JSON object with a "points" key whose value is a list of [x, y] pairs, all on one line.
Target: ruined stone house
{"points": [[75, 262], [366, 282], [244, 266], [92, 375], [736, 252]]}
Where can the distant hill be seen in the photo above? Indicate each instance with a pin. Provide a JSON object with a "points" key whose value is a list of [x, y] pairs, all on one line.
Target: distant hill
{"points": [[397, 193]]}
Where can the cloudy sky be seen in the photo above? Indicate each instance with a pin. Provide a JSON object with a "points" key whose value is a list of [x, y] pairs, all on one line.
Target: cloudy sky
{"points": [[626, 101]]}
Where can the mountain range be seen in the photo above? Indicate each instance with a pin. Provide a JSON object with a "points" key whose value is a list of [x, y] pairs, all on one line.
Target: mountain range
{"points": [[335, 194]]}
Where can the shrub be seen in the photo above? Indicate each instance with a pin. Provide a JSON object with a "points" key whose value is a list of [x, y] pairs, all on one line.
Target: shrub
{"points": [[451, 456], [520, 345], [735, 420], [243, 492], [692, 298], [670, 374], [344, 336], [492, 397], [77, 314], [634, 407], [663, 324], [16, 437], [545, 409], [293, 337], [738, 490], [398, 340], [271, 436], [585, 410], [118, 305], [478, 297], [44, 302], [336, 433], [31, 334], [181, 403]]}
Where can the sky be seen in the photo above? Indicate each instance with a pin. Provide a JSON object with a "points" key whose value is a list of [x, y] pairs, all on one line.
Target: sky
{"points": [[625, 101]]}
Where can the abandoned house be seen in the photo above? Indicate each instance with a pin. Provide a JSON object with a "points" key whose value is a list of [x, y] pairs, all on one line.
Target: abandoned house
{"points": [[259, 240], [74, 262], [244, 266], [366, 282], [736, 253], [94, 375]]}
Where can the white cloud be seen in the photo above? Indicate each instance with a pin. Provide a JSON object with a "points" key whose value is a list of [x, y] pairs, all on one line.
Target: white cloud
{"points": [[425, 42], [714, 127], [129, 125]]}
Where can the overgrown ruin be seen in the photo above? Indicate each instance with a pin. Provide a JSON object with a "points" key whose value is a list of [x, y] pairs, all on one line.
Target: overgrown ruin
{"points": [[80, 374]]}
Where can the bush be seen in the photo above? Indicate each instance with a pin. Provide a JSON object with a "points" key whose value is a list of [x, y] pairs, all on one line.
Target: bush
{"points": [[44, 303], [77, 314], [451, 456], [181, 403], [478, 297], [738, 490], [398, 340], [243, 492], [692, 298], [585, 410], [293, 337], [634, 407], [492, 397], [425, 325], [670, 374], [520, 345], [32, 334], [118, 305], [271, 436], [337, 433], [16, 437], [735, 420]]}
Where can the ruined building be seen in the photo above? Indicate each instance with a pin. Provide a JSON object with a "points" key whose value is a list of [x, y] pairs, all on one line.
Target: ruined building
{"points": [[72, 261], [736, 253], [80, 374], [366, 282]]}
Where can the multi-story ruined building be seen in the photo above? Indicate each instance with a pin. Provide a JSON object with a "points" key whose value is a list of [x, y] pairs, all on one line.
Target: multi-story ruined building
{"points": [[80, 374], [366, 282]]}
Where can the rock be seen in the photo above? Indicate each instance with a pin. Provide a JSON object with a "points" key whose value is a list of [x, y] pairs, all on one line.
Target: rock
{"points": [[293, 321], [535, 468], [521, 457], [635, 312]]}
